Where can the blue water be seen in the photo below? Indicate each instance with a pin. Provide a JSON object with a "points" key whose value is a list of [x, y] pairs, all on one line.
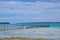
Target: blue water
{"points": [[33, 24], [51, 24], [54, 25]]}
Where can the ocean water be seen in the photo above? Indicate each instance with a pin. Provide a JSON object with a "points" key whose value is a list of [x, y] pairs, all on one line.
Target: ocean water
{"points": [[52, 32], [51, 24]]}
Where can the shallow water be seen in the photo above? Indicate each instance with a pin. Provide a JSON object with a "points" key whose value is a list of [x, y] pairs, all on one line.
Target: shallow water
{"points": [[50, 33]]}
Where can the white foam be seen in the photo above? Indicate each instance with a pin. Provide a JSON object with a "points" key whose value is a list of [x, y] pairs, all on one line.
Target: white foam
{"points": [[33, 33]]}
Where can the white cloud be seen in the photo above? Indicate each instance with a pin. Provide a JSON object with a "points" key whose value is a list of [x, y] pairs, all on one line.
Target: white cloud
{"points": [[31, 10]]}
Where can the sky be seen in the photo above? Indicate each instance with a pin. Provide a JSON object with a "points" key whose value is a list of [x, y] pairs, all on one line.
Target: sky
{"points": [[18, 11]]}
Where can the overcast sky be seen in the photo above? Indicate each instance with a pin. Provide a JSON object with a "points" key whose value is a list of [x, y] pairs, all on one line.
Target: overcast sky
{"points": [[17, 11]]}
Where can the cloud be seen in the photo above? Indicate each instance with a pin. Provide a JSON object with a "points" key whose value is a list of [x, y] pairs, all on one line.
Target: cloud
{"points": [[29, 11]]}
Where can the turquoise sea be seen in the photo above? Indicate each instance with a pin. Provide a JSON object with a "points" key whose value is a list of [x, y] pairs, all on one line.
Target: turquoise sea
{"points": [[51, 24]]}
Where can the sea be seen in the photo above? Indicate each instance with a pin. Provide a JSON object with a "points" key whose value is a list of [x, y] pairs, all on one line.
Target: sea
{"points": [[52, 32], [51, 24]]}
